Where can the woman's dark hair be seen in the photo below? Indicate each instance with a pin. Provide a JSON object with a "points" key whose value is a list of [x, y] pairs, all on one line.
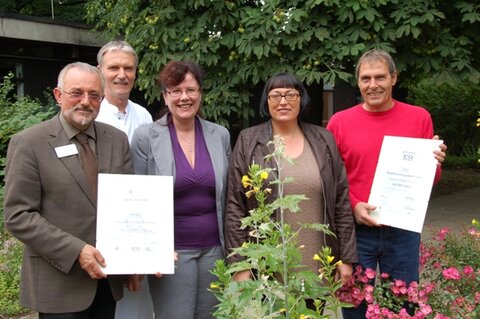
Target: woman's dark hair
{"points": [[175, 71], [283, 80]]}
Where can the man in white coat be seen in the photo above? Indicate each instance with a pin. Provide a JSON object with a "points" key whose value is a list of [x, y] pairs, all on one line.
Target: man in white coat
{"points": [[118, 62]]}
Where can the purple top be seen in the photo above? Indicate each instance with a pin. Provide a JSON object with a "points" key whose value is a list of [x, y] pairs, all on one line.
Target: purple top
{"points": [[195, 211]]}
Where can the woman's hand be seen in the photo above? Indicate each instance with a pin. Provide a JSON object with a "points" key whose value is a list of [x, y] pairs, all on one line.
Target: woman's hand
{"points": [[242, 275]]}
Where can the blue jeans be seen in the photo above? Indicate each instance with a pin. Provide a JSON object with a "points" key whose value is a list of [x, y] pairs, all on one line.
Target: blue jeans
{"points": [[390, 250]]}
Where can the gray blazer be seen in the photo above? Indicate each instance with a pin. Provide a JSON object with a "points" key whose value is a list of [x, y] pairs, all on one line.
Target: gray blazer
{"points": [[49, 208], [152, 154]]}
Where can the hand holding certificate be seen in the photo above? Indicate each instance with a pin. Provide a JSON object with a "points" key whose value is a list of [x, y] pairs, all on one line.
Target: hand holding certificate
{"points": [[403, 181], [135, 223]]}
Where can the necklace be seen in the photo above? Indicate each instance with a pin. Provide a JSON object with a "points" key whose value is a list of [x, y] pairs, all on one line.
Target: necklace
{"points": [[188, 145]]}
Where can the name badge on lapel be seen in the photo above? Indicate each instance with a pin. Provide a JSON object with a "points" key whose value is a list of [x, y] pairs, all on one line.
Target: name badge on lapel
{"points": [[66, 150]]}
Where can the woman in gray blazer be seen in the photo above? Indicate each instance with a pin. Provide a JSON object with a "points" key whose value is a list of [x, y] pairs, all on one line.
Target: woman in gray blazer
{"points": [[196, 153]]}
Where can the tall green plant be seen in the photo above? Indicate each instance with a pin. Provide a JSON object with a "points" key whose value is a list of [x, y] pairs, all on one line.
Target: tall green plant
{"points": [[15, 115], [281, 285]]}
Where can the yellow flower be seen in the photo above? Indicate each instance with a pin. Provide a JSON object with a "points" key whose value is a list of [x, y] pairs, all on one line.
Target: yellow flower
{"points": [[339, 263], [249, 193], [264, 175], [213, 286], [316, 257], [256, 189], [245, 181], [330, 259], [475, 222]]}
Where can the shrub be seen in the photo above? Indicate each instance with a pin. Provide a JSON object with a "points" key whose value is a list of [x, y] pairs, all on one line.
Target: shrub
{"points": [[454, 108], [10, 261], [15, 115]]}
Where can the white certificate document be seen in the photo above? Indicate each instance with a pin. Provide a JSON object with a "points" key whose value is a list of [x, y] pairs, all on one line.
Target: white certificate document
{"points": [[403, 181], [135, 223]]}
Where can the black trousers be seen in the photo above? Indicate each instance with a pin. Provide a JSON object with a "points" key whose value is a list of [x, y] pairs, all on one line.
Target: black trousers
{"points": [[102, 307]]}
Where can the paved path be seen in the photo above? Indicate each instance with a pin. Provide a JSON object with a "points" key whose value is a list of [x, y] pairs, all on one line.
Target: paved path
{"points": [[454, 210]]}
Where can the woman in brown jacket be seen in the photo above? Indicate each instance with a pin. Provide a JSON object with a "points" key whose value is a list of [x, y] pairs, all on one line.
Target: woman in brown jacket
{"points": [[317, 164]]}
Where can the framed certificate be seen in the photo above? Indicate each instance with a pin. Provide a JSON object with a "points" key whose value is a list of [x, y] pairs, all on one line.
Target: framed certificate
{"points": [[135, 223], [403, 181]]}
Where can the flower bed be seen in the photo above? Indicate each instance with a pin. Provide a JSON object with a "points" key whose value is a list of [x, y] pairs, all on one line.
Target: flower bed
{"points": [[449, 287]]}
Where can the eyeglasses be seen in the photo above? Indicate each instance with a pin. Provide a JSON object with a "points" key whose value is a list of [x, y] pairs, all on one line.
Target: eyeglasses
{"points": [[191, 92], [277, 97], [78, 94]]}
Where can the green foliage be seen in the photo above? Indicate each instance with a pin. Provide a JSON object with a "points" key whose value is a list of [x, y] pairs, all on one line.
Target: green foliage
{"points": [[281, 285], [454, 107], [469, 160], [241, 43], [15, 115], [10, 261]]}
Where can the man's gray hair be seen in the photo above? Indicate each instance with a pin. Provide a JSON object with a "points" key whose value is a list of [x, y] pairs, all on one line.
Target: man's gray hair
{"points": [[116, 46], [82, 66], [375, 55]]}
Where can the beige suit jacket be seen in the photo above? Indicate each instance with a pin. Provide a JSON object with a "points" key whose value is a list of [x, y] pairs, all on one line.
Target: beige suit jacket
{"points": [[49, 208]]}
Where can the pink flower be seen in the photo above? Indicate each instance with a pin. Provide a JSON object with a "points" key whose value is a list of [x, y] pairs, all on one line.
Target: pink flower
{"points": [[370, 273], [451, 273], [459, 301], [413, 292], [477, 297], [373, 312], [399, 287], [425, 254], [474, 233], [403, 314], [351, 294], [442, 233], [437, 265], [467, 270], [425, 310], [386, 313], [369, 297]]}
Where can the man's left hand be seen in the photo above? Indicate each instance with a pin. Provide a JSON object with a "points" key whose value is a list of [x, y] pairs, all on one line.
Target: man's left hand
{"points": [[90, 260], [441, 153]]}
